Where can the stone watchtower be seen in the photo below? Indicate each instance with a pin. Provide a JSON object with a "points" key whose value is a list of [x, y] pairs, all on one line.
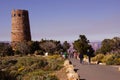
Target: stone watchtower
{"points": [[20, 26]]}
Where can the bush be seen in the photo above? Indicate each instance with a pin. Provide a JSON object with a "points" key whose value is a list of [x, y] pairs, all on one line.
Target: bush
{"points": [[117, 61], [29, 61], [111, 59], [98, 57], [30, 67], [40, 75], [55, 62]]}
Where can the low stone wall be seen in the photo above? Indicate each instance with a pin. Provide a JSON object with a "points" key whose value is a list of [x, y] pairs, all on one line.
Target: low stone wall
{"points": [[71, 74], [119, 68]]}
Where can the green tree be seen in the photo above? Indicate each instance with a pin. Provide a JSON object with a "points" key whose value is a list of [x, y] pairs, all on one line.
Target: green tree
{"points": [[34, 46], [6, 50], [110, 45], [58, 46], [82, 45], [107, 45], [116, 42], [66, 46]]}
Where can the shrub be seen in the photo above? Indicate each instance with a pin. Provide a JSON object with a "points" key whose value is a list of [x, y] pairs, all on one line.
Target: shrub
{"points": [[98, 57], [117, 61], [29, 61], [111, 59], [30, 67], [54, 62], [40, 75]]}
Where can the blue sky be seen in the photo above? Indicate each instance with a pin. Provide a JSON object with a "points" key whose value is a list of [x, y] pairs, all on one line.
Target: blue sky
{"points": [[64, 19]]}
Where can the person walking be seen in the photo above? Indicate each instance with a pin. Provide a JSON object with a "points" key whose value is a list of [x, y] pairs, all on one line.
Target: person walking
{"points": [[75, 54], [70, 55], [81, 58], [89, 56], [65, 55]]}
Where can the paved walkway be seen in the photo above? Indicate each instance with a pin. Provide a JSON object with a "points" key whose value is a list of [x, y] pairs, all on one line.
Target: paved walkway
{"points": [[95, 72]]}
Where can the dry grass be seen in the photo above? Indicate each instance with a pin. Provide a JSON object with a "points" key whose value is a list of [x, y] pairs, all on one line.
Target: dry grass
{"points": [[34, 67]]}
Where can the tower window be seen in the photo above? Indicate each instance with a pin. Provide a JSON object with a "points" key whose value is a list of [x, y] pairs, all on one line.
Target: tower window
{"points": [[14, 15], [19, 15]]}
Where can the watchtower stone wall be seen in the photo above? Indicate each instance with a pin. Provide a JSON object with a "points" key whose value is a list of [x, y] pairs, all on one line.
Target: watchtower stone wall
{"points": [[20, 26]]}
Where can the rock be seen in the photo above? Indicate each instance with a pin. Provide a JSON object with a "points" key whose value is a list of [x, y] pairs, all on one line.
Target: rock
{"points": [[70, 68], [102, 63], [66, 63], [85, 60], [119, 68], [94, 62], [73, 76]]}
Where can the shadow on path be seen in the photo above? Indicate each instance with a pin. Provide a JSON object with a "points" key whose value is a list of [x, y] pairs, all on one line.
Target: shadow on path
{"points": [[76, 70]]}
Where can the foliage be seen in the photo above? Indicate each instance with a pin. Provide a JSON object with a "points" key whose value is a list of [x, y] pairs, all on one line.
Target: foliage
{"points": [[50, 46], [112, 59], [116, 42], [55, 62], [109, 59], [34, 46], [6, 50], [111, 50], [66, 46], [29, 61], [40, 75], [30, 67], [17, 52], [107, 46], [98, 57], [22, 47], [82, 45], [110, 45], [31, 47]]}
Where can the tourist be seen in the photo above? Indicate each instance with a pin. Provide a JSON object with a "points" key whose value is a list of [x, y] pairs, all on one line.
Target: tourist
{"points": [[75, 54], [71, 55], [89, 56], [81, 57], [65, 55]]}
